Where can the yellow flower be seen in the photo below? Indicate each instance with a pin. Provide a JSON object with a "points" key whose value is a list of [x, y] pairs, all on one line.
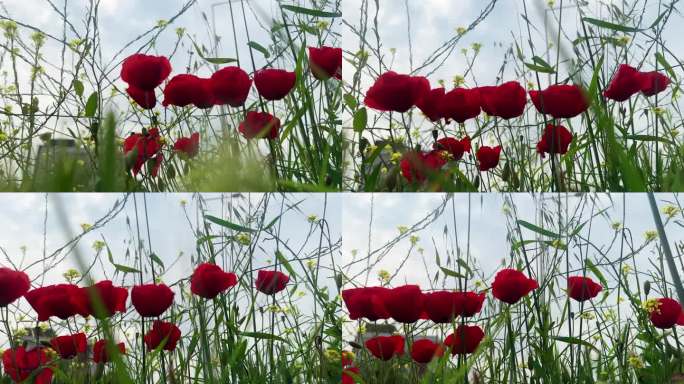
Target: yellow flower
{"points": [[651, 306], [616, 225], [670, 211], [476, 47], [311, 264], [322, 25], [622, 41], [71, 274], [384, 276], [312, 218], [243, 238], [414, 239], [402, 229], [635, 361], [332, 354], [588, 315], [85, 227], [458, 80], [393, 50], [396, 157], [362, 329], [650, 235], [626, 269], [461, 31], [183, 202]]}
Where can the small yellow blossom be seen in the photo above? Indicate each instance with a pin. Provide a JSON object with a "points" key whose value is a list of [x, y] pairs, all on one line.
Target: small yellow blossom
{"points": [[588, 315], [635, 361], [395, 157], [71, 275], [414, 239], [458, 80], [322, 25], [616, 225], [86, 227], [243, 238], [402, 229], [651, 306], [650, 235], [626, 269], [670, 211], [384, 276], [312, 218], [476, 47], [461, 31]]}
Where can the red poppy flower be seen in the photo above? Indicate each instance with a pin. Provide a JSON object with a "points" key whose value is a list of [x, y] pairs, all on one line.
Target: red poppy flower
{"points": [[69, 346], [189, 146], [271, 282], [506, 100], [653, 82], [465, 340], [183, 90], [366, 302], [147, 145], [556, 139], [386, 347], [424, 350], [454, 146], [488, 157], [151, 300], [61, 300], [100, 354], [625, 83], [444, 306], [145, 99], [346, 377], [395, 92], [113, 299], [162, 332], [404, 303], [13, 285], [230, 86], [461, 104], [209, 280], [666, 313], [325, 62], [347, 358], [260, 125], [560, 101], [21, 363], [145, 72], [510, 285], [582, 288], [274, 84], [415, 166], [430, 104]]}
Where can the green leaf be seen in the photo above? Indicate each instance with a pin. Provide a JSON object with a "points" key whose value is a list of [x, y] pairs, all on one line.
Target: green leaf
{"points": [[310, 12], [286, 264], [661, 59], [219, 60], [608, 25], [592, 267], [537, 229], [539, 68], [574, 340], [228, 224], [157, 260], [78, 87], [360, 120], [451, 273], [91, 105], [649, 138], [259, 48], [262, 335]]}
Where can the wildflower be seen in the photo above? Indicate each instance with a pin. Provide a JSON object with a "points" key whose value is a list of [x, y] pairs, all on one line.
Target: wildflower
{"points": [[488, 157], [151, 300], [86, 227], [396, 92], [243, 238], [461, 31], [404, 303], [325, 62], [162, 333], [650, 235], [274, 84], [458, 80], [476, 47], [185, 89], [366, 302], [384, 276], [582, 288], [588, 315], [670, 211], [461, 104], [188, 147], [635, 361], [506, 100], [38, 39], [70, 275], [312, 218], [20, 364], [260, 125], [230, 85], [322, 25], [98, 245], [616, 225], [13, 285], [510, 285], [415, 165], [69, 346], [60, 300], [624, 83], [444, 306], [100, 354], [209, 280], [271, 282], [465, 340], [664, 312], [414, 239], [386, 347], [162, 23], [311, 264], [560, 101], [145, 72], [424, 350]]}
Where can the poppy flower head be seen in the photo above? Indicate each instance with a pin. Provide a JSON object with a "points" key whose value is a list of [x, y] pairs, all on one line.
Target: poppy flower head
{"points": [[404, 303], [560, 100], [488, 157], [416, 166], [100, 354], [511, 285], [465, 340], [274, 84], [347, 372], [325, 62], [260, 125], [583, 288], [347, 358], [386, 347], [20, 364], [665, 312], [209, 280], [188, 146], [69, 346], [145, 72], [112, 298], [186, 89], [366, 302], [455, 147], [461, 104], [230, 86], [396, 92], [424, 350], [653, 83], [271, 282], [13, 285], [505, 101], [146, 145], [61, 300], [626, 82], [145, 99], [556, 139], [162, 332], [430, 104], [151, 300]]}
